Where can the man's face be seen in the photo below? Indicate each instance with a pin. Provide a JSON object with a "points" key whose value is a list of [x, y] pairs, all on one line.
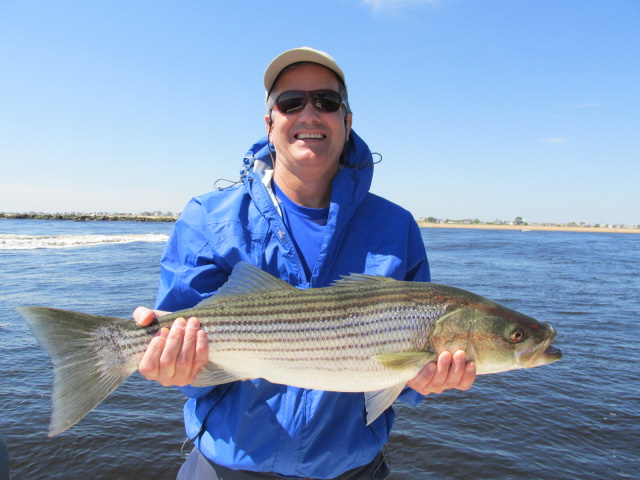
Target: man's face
{"points": [[308, 142]]}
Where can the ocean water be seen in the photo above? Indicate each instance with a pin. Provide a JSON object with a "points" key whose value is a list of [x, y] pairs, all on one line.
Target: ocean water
{"points": [[578, 418]]}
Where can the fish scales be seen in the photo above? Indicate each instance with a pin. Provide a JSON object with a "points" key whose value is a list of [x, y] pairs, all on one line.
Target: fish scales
{"points": [[364, 334], [337, 329], [361, 321]]}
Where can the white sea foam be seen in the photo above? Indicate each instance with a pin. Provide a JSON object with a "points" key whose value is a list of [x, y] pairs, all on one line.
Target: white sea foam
{"points": [[30, 242]]}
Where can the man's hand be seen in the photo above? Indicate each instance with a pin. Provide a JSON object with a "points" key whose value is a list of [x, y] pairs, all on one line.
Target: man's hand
{"points": [[451, 371], [174, 356]]}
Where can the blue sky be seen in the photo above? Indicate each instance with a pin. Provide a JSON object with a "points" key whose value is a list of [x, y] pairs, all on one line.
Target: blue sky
{"points": [[487, 109]]}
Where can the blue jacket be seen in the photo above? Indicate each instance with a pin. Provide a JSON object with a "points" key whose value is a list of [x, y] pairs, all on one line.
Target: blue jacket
{"points": [[256, 425]]}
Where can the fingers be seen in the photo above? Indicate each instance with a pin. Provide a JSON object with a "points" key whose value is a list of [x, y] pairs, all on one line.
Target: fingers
{"points": [[468, 377], [143, 316], [202, 352], [175, 356], [172, 348], [149, 365], [450, 371], [194, 353], [421, 382], [187, 348]]}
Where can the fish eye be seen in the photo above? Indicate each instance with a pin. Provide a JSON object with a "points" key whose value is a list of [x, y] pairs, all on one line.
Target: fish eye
{"points": [[517, 335]]}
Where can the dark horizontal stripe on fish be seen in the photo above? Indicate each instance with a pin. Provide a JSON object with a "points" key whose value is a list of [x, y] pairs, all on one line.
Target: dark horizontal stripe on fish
{"points": [[320, 360], [403, 329], [377, 326], [367, 342], [291, 347], [293, 313], [318, 300]]}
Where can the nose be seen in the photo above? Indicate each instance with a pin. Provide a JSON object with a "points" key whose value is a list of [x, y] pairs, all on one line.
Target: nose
{"points": [[309, 110]]}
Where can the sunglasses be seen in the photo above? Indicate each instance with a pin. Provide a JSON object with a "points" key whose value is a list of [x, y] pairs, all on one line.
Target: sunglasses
{"points": [[323, 100]]}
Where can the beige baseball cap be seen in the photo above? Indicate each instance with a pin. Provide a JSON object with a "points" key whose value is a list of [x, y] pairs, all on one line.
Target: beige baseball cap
{"points": [[297, 55]]}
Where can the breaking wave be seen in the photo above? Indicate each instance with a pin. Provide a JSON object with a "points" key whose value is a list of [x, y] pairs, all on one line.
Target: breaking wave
{"points": [[30, 242]]}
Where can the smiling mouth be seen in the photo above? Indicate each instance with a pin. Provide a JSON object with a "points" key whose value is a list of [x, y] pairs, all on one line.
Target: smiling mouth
{"points": [[307, 136]]}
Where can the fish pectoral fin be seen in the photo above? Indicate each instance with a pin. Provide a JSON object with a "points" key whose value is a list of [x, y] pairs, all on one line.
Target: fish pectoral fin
{"points": [[400, 360], [377, 402], [213, 374]]}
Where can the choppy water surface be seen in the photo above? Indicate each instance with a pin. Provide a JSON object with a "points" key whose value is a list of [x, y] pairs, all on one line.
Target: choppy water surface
{"points": [[576, 418]]}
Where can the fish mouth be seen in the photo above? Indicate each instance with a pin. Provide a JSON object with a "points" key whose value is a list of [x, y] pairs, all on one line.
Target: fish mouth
{"points": [[552, 353], [544, 353], [549, 353]]}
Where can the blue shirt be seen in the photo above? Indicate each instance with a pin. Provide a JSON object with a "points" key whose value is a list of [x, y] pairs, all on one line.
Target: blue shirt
{"points": [[259, 426], [306, 226]]}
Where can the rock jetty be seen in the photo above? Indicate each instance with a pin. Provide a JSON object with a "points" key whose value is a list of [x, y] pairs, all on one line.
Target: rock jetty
{"points": [[90, 217]]}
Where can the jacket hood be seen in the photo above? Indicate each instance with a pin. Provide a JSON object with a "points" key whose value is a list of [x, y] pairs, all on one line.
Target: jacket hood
{"points": [[349, 189]]}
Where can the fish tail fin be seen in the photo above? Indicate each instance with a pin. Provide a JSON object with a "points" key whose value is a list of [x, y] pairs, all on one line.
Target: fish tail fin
{"points": [[88, 364]]}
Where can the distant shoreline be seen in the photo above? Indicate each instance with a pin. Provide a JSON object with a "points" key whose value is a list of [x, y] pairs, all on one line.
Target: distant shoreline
{"points": [[85, 217], [526, 228]]}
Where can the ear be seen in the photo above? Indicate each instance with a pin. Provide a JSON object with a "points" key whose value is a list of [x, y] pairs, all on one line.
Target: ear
{"points": [[348, 120], [269, 123]]}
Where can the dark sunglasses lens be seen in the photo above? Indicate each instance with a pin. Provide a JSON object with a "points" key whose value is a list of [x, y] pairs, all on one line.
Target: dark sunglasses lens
{"points": [[327, 100], [289, 102], [323, 100]]}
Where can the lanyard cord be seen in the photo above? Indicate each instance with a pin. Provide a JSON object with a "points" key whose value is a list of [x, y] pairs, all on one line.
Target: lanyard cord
{"points": [[227, 388]]}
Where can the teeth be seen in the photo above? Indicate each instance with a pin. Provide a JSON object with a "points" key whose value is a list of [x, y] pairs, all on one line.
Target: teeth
{"points": [[303, 136]]}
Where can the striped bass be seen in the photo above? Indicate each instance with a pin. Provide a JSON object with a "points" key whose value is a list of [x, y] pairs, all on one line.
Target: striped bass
{"points": [[362, 334]]}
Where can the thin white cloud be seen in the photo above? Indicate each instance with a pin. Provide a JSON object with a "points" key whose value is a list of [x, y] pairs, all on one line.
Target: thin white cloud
{"points": [[584, 105], [590, 105], [552, 140], [377, 5], [587, 105]]}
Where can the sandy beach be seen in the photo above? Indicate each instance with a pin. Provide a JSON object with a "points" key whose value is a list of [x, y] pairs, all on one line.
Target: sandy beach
{"points": [[525, 228]]}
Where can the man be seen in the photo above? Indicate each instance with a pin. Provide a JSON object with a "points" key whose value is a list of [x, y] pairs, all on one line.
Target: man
{"points": [[304, 213]]}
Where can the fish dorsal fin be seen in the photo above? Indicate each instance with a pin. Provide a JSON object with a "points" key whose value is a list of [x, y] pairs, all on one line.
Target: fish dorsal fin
{"points": [[246, 279], [356, 279]]}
